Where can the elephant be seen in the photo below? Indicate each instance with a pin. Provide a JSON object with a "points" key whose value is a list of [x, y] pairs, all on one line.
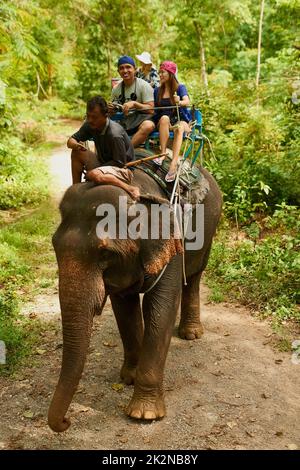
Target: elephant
{"points": [[91, 268]]}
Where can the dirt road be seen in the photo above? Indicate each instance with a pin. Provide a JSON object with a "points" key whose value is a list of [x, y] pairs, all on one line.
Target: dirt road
{"points": [[229, 390]]}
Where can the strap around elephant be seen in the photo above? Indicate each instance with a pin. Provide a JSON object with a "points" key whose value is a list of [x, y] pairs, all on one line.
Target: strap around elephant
{"points": [[157, 279]]}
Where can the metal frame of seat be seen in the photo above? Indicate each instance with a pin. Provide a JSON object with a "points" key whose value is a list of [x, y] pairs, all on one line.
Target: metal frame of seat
{"points": [[195, 136]]}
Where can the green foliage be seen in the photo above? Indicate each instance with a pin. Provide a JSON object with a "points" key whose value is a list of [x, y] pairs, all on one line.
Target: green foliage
{"points": [[32, 133], [256, 142], [216, 295], [19, 334], [110, 29], [27, 264], [33, 44], [23, 179], [262, 268], [243, 65]]}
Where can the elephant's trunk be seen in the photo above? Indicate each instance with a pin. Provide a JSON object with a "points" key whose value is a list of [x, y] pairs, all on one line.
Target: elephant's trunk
{"points": [[81, 291]]}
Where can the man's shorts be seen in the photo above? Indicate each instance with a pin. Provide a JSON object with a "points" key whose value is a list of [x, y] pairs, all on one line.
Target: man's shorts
{"points": [[123, 174]]}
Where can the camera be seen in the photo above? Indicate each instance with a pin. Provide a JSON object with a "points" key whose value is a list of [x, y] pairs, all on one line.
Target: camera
{"points": [[118, 107]]}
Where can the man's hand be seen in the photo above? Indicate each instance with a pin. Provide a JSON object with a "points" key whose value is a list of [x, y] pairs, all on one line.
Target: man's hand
{"points": [[134, 192], [127, 106], [74, 145], [80, 146], [112, 108]]}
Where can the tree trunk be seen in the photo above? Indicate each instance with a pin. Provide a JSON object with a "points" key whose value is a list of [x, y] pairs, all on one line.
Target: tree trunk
{"points": [[50, 79], [108, 56], [262, 5], [40, 86], [202, 56], [225, 45]]}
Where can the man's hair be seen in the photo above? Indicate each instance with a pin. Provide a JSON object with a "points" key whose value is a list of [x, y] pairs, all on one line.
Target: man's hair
{"points": [[97, 101]]}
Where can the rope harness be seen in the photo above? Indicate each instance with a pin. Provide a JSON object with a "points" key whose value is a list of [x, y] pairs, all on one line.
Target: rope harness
{"points": [[175, 195], [175, 203]]}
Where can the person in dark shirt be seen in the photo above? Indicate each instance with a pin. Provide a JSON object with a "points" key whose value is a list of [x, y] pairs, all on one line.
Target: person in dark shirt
{"points": [[113, 149]]}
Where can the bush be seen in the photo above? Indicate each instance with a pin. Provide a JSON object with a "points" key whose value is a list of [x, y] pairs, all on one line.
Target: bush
{"points": [[23, 178], [256, 145], [32, 133], [22, 273], [262, 267], [19, 333]]}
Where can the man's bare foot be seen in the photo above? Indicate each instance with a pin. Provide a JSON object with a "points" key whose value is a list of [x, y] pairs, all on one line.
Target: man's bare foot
{"points": [[134, 192]]}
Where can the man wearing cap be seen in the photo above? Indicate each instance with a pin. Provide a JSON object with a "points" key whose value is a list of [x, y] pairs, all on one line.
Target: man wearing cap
{"points": [[147, 72], [133, 93]]}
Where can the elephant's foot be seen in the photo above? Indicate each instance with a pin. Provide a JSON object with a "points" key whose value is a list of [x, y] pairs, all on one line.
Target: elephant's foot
{"points": [[128, 374], [146, 407], [190, 330]]}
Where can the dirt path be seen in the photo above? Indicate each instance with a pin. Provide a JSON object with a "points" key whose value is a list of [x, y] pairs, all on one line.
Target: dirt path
{"points": [[60, 170], [229, 390]]}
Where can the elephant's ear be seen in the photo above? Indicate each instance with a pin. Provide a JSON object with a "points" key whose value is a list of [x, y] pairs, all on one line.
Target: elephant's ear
{"points": [[157, 252]]}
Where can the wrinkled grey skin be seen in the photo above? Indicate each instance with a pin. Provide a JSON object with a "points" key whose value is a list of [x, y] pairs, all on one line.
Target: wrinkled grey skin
{"points": [[90, 269]]}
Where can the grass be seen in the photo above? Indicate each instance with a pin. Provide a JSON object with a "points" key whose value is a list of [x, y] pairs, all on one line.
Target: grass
{"points": [[28, 266], [25, 247], [216, 295], [259, 268]]}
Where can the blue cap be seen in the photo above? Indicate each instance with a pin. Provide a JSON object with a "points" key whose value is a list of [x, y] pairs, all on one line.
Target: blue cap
{"points": [[126, 59]]}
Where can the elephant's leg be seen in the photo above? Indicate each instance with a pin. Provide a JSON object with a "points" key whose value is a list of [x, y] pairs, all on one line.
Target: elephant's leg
{"points": [[190, 326], [160, 306], [128, 314]]}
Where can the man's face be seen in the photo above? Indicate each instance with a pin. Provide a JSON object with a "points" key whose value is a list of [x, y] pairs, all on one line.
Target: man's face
{"points": [[96, 118], [127, 72]]}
